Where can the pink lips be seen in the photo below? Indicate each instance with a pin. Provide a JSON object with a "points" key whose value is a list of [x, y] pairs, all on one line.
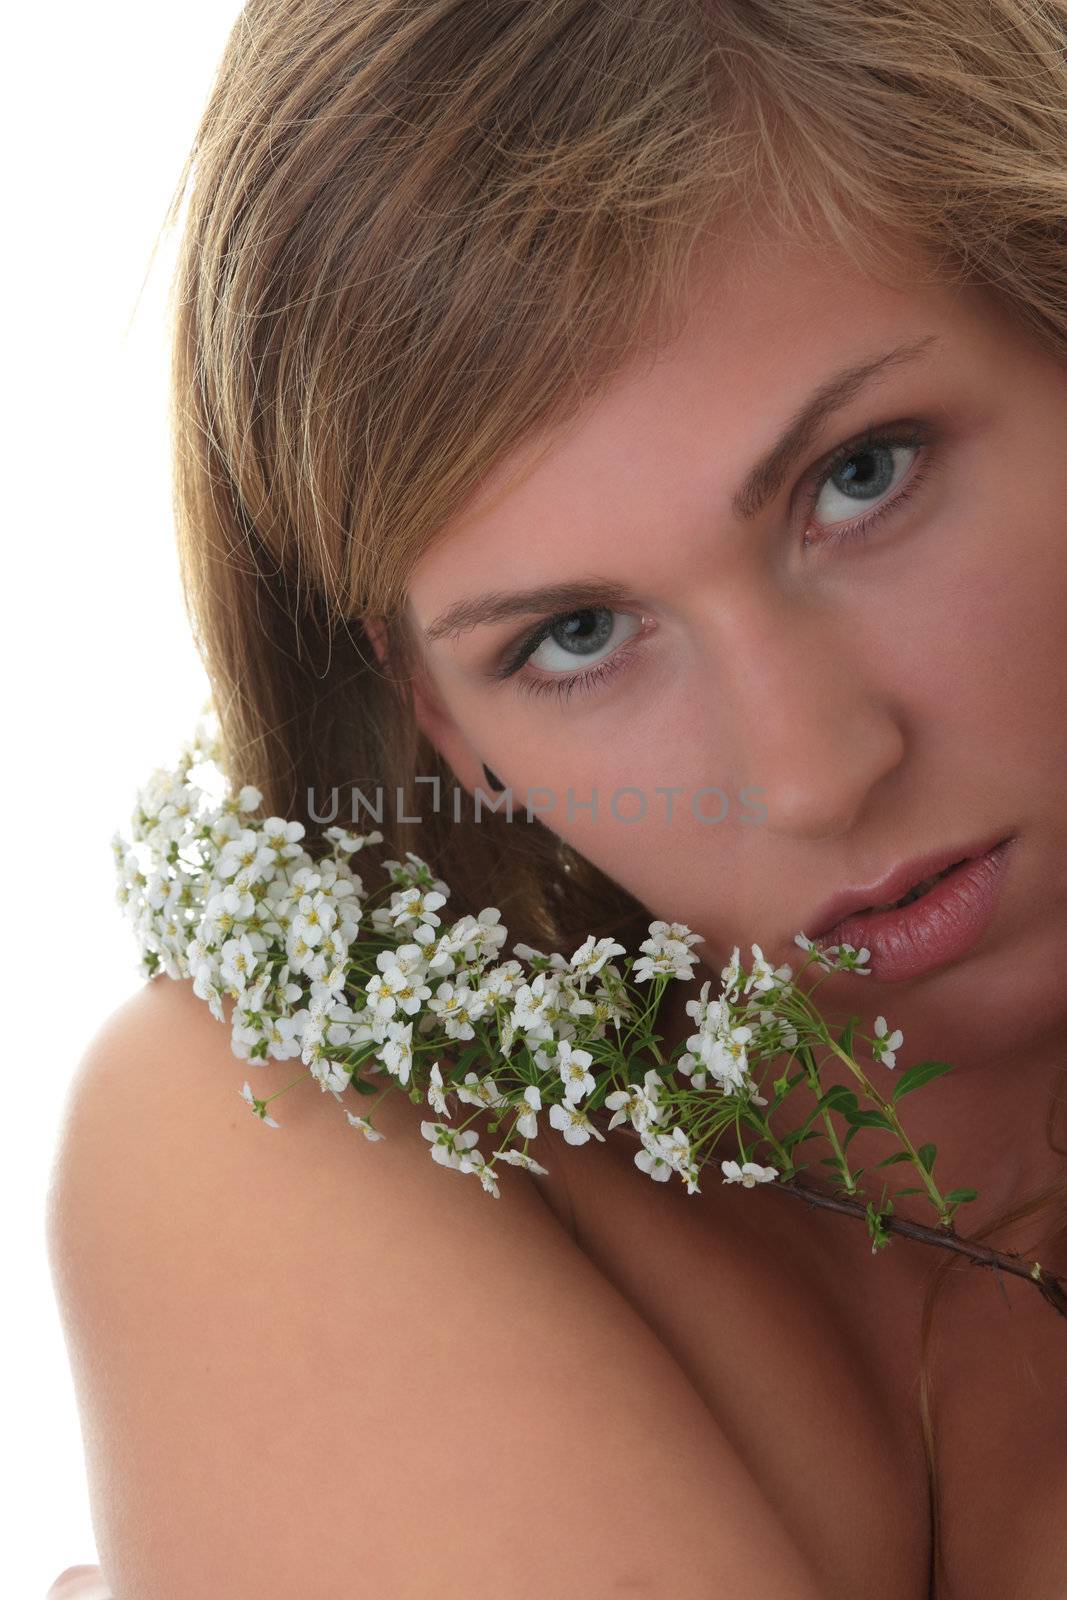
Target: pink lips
{"points": [[942, 925]]}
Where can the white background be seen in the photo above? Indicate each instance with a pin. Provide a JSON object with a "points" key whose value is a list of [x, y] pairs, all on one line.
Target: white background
{"points": [[101, 679]]}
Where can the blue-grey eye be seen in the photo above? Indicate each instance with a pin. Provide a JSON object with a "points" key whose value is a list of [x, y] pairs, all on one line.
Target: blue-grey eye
{"points": [[861, 477], [579, 635]]}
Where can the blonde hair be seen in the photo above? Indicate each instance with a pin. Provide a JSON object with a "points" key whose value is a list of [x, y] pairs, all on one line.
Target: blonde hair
{"points": [[420, 235]]}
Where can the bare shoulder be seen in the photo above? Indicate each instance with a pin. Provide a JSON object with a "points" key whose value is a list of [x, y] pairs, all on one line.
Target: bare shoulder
{"points": [[306, 1363]]}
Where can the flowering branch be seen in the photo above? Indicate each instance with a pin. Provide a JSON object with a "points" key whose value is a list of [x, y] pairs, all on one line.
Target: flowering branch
{"points": [[373, 996], [883, 1221]]}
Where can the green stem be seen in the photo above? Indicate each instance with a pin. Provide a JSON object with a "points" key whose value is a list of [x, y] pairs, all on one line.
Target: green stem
{"points": [[887, 1109], [304, 1076]]}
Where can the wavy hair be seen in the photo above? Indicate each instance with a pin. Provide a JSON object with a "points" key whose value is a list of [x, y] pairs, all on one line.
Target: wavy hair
{"points": [[417, 235]]}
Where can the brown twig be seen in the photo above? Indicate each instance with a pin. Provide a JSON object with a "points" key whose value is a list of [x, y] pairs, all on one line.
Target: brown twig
{"points": [[1051, 1287]]}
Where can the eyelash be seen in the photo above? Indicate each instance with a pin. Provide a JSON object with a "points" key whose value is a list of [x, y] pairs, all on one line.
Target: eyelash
{"points": [[887, 437]]}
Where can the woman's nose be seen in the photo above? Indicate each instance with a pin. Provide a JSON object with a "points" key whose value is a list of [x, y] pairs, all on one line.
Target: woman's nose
{"points": [[814, 734]]}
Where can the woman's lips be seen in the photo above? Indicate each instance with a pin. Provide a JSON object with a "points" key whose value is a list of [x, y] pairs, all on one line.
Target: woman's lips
{"points": [[942, 925]]}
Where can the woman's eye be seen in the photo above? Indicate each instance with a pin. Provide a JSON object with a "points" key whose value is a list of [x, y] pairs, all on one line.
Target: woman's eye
{"points": [[864, 475], [579, 638], [573, 650], [581, 649]]}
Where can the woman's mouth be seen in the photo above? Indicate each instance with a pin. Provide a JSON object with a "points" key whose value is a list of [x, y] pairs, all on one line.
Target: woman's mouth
{"points": [[917, 892], [938, 920]]}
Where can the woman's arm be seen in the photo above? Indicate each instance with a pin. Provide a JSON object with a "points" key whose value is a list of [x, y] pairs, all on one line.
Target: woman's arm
{"points": [[314, 1366]]}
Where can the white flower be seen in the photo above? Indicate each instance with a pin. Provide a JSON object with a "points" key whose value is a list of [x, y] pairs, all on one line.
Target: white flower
{"points": [[332, 1076], [517, 1158], [639, 1104], [456, 1150], [435, 949], [480, 1091], [664, 1153], [380, 993], [205, 989], [573, 1067], [884, 1045], [721, 1049], [248, 857], [369, 1132], [533, 1007], [224, 912], [686, 1063], [476, 1162], [478, 936], [664, 956], [396, 1051], [315, 917], [750, 1173], [283, 838], [500, 982], [287, 1035], [405, 988], [824, 958], [730, 977], [411, 906], [240, 906], [762, 978], [258, 1106], [651, 1161], [842, 957], [436, 1091], [775, 1033], [851, 960], [574, 1125], [458, 1007], [238, 962], [591, 956], [526, 1121], [674, 931], [447, 1146], [346, 843]]}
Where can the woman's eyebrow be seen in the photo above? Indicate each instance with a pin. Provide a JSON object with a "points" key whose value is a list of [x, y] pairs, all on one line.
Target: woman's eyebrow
{"points": [[760, 485], [498, 605], [767, 475]]}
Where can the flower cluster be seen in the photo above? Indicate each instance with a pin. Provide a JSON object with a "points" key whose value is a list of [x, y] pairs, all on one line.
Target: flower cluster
{"points": [[373, 991]]}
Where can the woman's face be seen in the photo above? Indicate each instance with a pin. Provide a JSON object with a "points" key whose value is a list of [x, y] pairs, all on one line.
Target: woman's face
{"points": [[876, 656]]}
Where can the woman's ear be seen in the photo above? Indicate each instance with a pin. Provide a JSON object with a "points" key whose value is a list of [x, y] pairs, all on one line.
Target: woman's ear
{"points": [[374, 628]]}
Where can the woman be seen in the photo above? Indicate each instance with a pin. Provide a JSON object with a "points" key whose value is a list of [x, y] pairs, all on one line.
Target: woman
{"points": [[740, 334]]}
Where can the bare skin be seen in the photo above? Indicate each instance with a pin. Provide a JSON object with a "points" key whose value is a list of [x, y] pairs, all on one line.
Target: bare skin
{"points": [[888, 695], [803, 1349]]}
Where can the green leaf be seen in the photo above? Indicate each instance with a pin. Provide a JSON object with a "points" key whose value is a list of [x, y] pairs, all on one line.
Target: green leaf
{"points": [[469, 1057], [838, 1098], [926, 1154], [901, 1155], [798, 1136], [361, 1087], [911, 1191], [962, 1194], [916, 1076], [868, 1119], [844, 1038]]}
